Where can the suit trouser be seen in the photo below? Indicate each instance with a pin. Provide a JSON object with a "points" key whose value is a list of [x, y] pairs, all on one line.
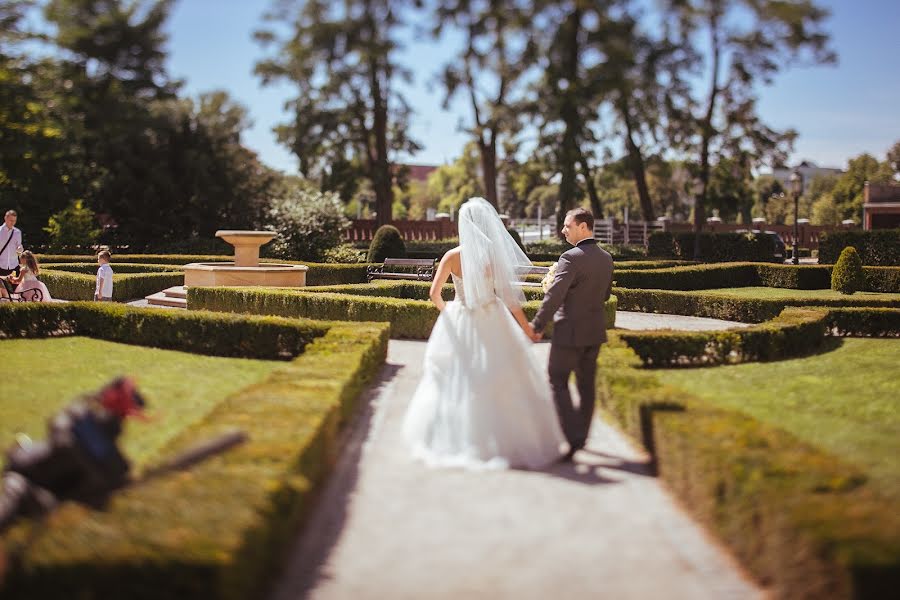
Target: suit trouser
{"points": [[583, 361]]}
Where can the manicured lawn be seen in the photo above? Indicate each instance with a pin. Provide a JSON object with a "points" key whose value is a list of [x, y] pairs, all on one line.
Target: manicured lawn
{"points": [[789, 294], [846, 401], [42, 375]]}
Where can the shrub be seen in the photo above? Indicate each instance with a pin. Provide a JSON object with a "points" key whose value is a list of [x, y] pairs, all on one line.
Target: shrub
{"points": [[661, 244], [387, 243], [847, 276], [308, 223], [817, 530], [220, 530], [882, 279], [73, 226], [91, 268], [403, 304], [127, 286], [516, 238], [716, 306], [714, 247], [794, 332], [878, 247], [344, 254]]}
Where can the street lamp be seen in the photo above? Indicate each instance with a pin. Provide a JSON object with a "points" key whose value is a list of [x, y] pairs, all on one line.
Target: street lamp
{"points": [[796, 191]]}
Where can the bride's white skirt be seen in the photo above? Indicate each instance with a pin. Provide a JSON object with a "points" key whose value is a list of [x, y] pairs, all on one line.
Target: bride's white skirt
{"points": [[484, 400]]}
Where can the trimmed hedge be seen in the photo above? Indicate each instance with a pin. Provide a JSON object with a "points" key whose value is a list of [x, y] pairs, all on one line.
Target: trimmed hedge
{"points": [[397, 303], [128, 286], [387, 243], [91, 268], [879, 247], [864, 322], [218, 531], [746, 310], [746, 274], [796, 331], [200, 332], [714, 247], [802, 521], [847, 276]]}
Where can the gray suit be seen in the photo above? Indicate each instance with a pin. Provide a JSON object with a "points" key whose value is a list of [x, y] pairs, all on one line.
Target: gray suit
{"points": [[575, 300]]}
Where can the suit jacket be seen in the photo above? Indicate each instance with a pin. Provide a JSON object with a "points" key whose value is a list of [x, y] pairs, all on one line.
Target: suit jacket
{"points": [[576, 298]]}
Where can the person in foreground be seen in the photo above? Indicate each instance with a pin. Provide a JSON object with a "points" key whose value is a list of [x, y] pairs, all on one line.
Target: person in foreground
{"points": [[576, 302], [483, 401]]}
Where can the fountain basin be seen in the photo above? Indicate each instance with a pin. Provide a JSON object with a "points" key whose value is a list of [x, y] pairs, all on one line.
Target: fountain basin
{"points": [[231, 275], [246, 244]]}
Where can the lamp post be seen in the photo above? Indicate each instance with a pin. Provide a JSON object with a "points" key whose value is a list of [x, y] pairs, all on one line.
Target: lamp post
{"points": [[796, 191]]}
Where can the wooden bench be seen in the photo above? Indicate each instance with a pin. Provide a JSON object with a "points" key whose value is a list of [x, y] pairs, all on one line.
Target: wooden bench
{"points": [[424, 269]]}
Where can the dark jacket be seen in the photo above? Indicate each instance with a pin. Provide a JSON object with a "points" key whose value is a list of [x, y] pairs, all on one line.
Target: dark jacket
{"points": [[576, 298]]}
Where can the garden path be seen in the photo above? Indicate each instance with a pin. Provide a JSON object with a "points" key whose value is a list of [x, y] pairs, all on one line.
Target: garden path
{"points": [[601, 527]]}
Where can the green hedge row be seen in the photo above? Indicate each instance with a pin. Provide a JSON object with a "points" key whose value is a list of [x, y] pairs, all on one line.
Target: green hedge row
{"points": [[220, 530], [710, 304], [795, 332], [800, 520], [746, 274], [200, 332], [876, 247], [864, 322], [91, 268], [398, 303], [128, 286], [714, 247]]}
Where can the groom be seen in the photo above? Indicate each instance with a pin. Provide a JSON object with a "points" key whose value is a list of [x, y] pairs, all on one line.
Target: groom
{"points": [[575, 300]]}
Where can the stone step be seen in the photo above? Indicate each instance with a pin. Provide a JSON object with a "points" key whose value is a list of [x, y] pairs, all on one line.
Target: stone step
{"points": [[161, 299], [178, 291]]}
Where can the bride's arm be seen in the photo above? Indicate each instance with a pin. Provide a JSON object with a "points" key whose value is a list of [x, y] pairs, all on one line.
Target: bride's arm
{"points": [[522, 320], [440, 278]]}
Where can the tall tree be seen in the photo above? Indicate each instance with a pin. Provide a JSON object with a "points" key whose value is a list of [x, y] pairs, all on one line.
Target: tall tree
{"points": [[745, 42], [348, 111], [496, 50]]}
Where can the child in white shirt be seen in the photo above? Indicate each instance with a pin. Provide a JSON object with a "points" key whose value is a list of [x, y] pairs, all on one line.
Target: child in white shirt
{"points": [[104, 287]]}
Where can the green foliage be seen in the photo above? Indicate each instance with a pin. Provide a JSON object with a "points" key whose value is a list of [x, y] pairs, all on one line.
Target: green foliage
{"points": [[825, 211], [221, 530], [877, 247], [747, 305], [127, 286], [451, 185], [404, 304], [516, 238], [796, 331], [737, 473], [714, 247], [308, 223], [387, 243], [847, 275], [848, 191], [73, 226], [344, 254]]}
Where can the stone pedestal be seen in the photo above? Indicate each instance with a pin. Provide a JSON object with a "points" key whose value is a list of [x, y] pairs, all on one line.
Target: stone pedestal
{"points": [[246, 245]]}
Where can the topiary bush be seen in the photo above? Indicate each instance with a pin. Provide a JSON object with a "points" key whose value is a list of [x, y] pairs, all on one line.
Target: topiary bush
{"points": [[516, 237], [387, 243], [847, 275]]}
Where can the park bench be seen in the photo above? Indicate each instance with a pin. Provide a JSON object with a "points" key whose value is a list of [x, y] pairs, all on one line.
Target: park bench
{"points": [[423, 269]]}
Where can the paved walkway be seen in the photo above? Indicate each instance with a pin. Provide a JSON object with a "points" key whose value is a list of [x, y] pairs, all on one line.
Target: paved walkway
{"points": [[638, 320], [387, 527]]}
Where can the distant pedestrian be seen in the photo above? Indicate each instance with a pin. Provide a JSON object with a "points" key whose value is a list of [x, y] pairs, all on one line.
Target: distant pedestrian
{"points": [[104, 288], [10, 244]]}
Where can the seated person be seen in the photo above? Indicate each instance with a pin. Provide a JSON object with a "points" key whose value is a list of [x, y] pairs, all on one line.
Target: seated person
{"points": [[26, 281]]}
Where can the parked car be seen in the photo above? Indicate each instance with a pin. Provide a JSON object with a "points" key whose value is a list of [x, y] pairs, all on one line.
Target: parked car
{"points": [[780, 252]]}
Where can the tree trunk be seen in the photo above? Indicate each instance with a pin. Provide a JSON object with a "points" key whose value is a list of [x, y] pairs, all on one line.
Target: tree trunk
{"points": [[568, 155], [588, 175], [636, 163], [488, 154], [708, 132], [381, 169]]}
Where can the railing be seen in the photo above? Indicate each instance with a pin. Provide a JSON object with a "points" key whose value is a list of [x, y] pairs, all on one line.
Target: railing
{"points": [[807, 235], [363, 230], [610, 231]]}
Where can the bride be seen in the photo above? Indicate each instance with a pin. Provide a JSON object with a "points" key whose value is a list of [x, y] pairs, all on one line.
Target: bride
{"points": [[484, 400]]}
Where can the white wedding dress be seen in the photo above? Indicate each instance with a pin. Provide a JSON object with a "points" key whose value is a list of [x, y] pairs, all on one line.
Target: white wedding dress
{"points": [[484, 400]]}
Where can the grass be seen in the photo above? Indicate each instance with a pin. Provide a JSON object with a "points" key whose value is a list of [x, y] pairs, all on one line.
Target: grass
{"points": [[846, 402], [770, 293], [180, 388]]}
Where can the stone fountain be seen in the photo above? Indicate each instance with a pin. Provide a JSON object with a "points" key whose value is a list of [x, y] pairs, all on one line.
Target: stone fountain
{"points": [[246, 268]]}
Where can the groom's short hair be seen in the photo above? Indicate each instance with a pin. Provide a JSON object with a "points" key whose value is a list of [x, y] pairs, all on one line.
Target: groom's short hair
{"points": [[582, 215]]}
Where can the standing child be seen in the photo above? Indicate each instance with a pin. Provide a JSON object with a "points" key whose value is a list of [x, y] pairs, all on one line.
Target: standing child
{"points": [[104, 289]]}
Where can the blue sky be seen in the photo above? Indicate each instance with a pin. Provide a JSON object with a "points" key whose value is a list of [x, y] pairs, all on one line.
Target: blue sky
{"points": [[839, 111]]}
